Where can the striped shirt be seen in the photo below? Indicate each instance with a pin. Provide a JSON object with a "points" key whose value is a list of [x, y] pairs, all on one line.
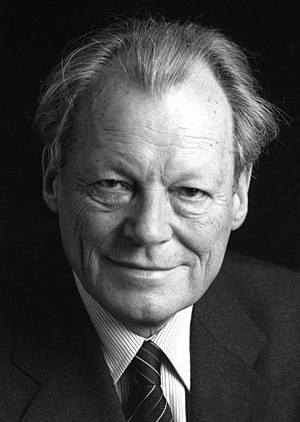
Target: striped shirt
{"points": [[120, 345]]}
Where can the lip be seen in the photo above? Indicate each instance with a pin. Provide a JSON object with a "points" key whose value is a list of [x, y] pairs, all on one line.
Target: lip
{"points": [[135, 275], [138, 267]]}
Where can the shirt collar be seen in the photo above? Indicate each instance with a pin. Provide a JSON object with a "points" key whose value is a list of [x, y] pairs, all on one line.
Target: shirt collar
{"points": [[120, 345]]}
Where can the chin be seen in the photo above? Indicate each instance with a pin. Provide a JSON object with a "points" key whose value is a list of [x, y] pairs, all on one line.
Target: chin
{"points": [[153, 311], [146, 322]]}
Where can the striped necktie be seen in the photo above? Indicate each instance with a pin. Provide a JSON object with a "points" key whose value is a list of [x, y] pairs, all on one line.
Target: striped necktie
{"points": [[147, 402]]}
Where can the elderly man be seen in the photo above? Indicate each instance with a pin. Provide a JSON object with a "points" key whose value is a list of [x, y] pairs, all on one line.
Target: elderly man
{"points": [[150, 131]]}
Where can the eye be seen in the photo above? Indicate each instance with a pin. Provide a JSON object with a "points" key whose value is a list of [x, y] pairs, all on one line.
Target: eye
{"points": [[112, 193], [113, 184], [189, 201], [190, 193]]}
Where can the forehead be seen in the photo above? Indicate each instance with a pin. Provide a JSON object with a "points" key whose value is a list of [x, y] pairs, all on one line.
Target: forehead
{"points": [[117, 115], [113, 93]]}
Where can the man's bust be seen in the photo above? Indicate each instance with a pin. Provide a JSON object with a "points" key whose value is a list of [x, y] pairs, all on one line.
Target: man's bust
{"points": [[150, 132]]}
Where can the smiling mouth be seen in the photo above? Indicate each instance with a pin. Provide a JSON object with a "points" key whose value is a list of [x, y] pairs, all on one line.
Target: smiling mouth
{"points": [[135, 266]]}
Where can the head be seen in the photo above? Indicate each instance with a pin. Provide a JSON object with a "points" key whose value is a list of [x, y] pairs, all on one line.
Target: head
{"points": [[150, 130]]}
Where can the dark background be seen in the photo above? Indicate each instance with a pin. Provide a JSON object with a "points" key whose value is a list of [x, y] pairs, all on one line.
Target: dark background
{"points": [[33, 34]]}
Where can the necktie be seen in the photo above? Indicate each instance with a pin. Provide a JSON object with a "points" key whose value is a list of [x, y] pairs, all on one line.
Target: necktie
{"points": [[147, 402]]}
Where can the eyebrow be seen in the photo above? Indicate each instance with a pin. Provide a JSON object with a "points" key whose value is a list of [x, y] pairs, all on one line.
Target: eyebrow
{"points": [[128, 170]]}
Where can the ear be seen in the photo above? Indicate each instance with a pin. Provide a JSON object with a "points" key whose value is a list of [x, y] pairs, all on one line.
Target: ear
{"points": [[50, 182], [240, 199]]}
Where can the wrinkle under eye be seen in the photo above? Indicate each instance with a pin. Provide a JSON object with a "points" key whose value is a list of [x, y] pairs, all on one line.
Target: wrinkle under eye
{"points": [[111, 193]]}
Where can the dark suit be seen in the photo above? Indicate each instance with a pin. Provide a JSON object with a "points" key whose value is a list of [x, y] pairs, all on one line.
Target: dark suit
{"points": [[245, 345]]}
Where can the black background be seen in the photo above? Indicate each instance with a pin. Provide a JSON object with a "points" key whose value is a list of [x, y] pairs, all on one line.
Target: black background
{"points": [[33, 34]]}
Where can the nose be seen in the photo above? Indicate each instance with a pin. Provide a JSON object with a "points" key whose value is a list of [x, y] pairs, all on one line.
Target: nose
{"points": [[149, 223]]}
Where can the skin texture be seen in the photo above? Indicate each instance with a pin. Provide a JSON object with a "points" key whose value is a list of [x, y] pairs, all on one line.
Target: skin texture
{"points": [[146, 201]]}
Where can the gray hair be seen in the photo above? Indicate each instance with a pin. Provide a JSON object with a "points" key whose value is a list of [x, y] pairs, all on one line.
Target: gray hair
{"points": [[156, 55]]}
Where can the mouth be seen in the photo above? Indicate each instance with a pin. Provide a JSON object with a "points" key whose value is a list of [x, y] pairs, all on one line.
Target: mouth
{"points": [[134, 272], [137, 266]]}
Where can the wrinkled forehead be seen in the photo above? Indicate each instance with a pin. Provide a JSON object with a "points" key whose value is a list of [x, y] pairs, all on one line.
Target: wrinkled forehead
{"points": [[114, 102]]}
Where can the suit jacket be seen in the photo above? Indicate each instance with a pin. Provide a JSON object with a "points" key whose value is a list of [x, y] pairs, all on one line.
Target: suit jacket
{"points": [[245, 345]]}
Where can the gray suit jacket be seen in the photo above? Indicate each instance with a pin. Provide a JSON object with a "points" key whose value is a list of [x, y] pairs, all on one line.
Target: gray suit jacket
{"points": [[245, 345]]}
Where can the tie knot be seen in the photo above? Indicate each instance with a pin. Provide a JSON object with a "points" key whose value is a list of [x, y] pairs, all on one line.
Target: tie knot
{"points": [[146, 364]]}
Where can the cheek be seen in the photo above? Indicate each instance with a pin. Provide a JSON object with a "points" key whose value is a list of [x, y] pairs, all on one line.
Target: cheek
{"points": [[208, 240], [84, 228], [209, 231], [97, 229]]}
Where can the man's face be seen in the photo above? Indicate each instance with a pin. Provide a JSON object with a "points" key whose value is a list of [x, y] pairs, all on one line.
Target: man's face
{"points": [[146, 201]]}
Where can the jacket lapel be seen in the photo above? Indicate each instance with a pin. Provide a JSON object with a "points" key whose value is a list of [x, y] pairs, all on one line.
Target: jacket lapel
{"points": [[59, 354], [77, 385], [225, 345]]}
